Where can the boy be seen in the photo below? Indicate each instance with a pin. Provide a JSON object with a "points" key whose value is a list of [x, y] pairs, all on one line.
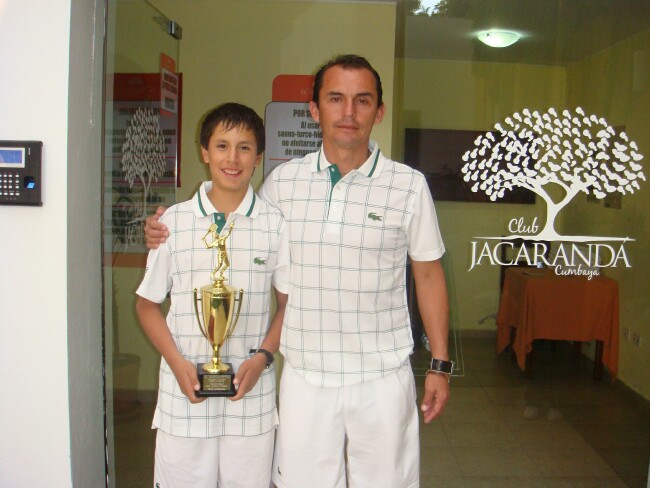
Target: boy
{"points": [[217, 441]]}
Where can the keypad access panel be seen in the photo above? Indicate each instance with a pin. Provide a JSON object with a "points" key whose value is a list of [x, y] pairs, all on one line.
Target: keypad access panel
{"points": [[20, 172]]}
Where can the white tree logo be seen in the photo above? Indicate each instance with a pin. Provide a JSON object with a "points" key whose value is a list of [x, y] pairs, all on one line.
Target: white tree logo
{"points": [[143, 153], [578, 152]]}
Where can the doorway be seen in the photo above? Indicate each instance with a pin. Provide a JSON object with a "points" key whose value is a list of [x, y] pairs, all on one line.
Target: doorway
{"points": [[142, 100]]}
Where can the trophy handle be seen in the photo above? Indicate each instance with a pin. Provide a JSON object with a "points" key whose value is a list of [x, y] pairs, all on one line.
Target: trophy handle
{"points": [[198, 316], [239, 299]]}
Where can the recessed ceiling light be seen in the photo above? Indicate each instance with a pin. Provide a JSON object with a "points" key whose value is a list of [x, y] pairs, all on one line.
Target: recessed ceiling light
{"points": [[498, 38]]}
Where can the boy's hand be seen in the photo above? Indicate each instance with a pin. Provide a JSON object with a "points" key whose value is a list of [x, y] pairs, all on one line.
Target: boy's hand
{"points": [[155, 233], [188, 379], [248, 374]]}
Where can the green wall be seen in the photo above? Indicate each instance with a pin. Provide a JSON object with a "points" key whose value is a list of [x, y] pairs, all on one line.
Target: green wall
{"points": [[615, 84], [473, 96], [232, 50]]}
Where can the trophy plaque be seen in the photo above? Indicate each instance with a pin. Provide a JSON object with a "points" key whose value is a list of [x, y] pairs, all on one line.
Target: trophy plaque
{"points": [[217, 317]]}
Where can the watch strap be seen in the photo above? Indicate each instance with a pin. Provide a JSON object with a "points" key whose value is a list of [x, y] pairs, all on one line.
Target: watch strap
{"points": [[268, 354]]}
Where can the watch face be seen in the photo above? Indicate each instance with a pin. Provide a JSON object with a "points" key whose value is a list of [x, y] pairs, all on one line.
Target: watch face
{"points": [[440, 365]]}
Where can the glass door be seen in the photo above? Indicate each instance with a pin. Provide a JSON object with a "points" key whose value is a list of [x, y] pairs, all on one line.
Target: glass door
{"points": [[443, 85], [142, 115]]}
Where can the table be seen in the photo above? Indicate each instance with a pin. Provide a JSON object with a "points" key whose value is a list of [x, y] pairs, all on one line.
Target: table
{"points": [[538, 304]]}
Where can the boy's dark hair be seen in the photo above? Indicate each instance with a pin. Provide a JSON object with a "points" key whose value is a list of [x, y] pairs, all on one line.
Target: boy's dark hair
{"points": [[233, 115], [346, 61]]}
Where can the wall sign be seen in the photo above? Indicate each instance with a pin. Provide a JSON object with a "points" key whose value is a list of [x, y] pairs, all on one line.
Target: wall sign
{"points": [[142, 161], [290, 130], [578, 152]]}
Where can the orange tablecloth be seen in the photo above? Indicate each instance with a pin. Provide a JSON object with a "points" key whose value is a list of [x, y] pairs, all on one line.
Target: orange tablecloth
{"points": [[538, 304]]}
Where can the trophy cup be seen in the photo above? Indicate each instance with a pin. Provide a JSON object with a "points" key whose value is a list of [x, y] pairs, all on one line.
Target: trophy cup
{"points": [[220, 307]]}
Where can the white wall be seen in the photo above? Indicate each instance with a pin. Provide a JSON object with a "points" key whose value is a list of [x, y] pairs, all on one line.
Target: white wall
{"points": [[50, 313]]}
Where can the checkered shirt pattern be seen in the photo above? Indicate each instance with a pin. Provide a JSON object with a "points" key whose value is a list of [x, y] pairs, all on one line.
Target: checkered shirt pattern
{"points": [[347, 319], [259, 256]]}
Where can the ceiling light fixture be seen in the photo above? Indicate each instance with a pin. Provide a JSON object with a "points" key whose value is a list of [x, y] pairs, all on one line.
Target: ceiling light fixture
{"points": [[498, 38]]}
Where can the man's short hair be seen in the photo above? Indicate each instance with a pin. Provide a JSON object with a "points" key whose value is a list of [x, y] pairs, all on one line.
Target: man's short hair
{"points": [[347, 61], [233, 115]]}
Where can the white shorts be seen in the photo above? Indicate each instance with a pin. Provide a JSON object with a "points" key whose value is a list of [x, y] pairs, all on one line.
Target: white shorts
{"points": [[226, 461], [372, 425]]}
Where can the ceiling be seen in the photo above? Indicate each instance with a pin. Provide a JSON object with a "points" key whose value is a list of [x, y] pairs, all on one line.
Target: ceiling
{"points": [[554, 32]]}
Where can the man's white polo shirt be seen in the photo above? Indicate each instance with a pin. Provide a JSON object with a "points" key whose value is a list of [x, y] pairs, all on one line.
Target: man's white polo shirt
{"points": [[347, 319], [258, 254]]}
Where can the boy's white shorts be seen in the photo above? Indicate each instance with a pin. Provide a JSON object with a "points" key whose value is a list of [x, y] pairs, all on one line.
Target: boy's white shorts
{"points": [[373, 426], [225, 461]]}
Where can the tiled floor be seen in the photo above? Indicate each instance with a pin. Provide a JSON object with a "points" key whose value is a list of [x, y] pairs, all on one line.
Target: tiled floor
{"points": [[560, 429], [134, 448]]}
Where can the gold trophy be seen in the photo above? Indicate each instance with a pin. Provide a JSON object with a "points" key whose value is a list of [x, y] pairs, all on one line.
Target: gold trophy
{"points": [[218, 304]]}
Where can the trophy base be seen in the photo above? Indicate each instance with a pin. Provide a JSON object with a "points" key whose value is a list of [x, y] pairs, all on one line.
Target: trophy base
{"points": [[216, 384]]}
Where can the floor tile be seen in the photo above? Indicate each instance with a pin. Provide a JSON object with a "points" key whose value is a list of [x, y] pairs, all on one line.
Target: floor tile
{"points": [[440, 463], [480, 435], [495, 462], [628, 461], [472, 395], [432, 438], [636, 482], [469, 413], [515, 395], [562, 461], [616, 435], [499, 429], [503, 482], [548, 435], [585, 482]]}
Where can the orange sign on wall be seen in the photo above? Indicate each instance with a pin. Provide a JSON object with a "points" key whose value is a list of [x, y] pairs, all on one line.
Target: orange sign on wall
{"points": [[292, 88]]}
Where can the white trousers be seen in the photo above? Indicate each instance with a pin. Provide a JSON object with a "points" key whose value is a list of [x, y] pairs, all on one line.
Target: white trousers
{"points": [[224, 462], [365, 435]]}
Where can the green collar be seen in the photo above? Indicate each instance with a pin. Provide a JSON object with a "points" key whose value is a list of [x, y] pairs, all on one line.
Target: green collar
{"points": [[219, 218], [366, 168]]}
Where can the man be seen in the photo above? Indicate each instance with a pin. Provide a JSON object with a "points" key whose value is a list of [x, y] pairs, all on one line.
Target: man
{"points": [[348, 415]]}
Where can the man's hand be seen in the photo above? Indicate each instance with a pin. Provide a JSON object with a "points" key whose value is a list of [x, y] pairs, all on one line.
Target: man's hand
{"points": [[188, 379], [248, 374], [436, 394], [155, 233]]}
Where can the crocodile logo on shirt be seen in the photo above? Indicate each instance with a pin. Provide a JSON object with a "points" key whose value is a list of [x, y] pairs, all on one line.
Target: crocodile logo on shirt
{"points": [[259, 261], [374, 216]]}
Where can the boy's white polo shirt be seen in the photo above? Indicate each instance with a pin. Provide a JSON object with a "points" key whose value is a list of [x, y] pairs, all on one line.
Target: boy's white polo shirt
{"points": [[347, 318], [259, 258]]}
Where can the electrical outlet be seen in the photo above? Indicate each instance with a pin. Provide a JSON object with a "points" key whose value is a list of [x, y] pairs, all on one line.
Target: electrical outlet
{"points": [[636, 339], [626, 333]]}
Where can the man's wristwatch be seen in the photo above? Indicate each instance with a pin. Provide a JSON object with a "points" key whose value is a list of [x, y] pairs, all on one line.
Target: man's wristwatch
{"points": [[268, 354], [438, 366]]}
